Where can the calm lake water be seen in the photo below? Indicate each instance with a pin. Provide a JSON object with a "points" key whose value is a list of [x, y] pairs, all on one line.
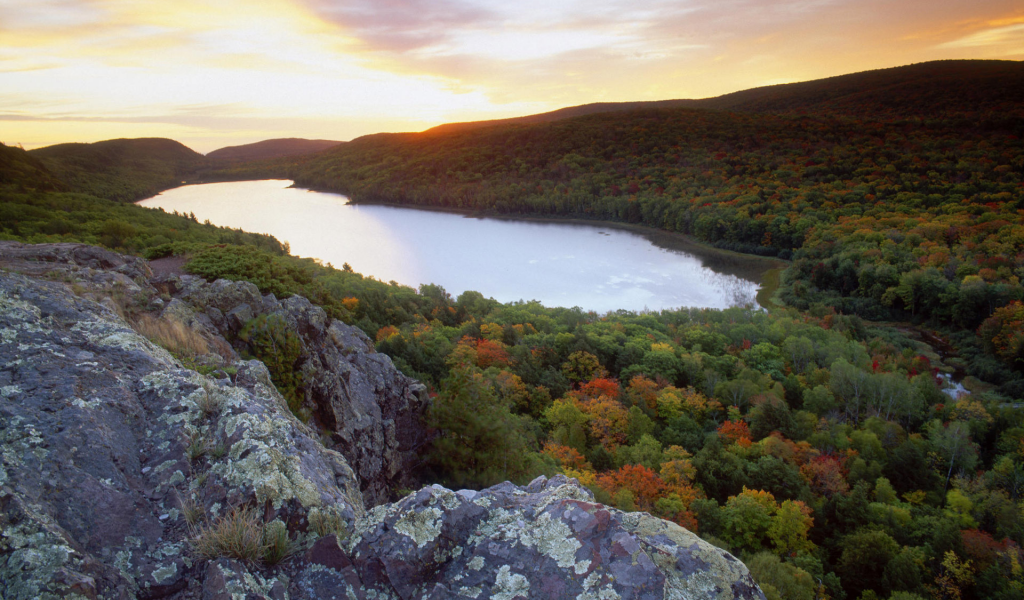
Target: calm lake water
{"points": [[594, 267]]}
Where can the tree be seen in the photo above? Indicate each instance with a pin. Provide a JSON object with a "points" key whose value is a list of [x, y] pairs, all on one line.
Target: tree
{"points": [[865, 556], [747, 518], [952, 443], [643, 483], [481, 442], [582, 366], [790, 526], [779, 580]]}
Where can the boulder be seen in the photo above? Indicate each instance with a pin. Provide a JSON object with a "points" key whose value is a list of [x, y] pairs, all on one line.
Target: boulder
{"points": [[547, 540]]}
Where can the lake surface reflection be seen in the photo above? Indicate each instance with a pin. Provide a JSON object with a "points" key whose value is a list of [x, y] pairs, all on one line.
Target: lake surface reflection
{"points": [[594, 267]]}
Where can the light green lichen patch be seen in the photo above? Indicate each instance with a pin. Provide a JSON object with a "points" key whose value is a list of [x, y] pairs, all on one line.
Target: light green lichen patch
{"points": [[509, 585], [447, 498], [421, 526], [18, 309], [87, 404], [164, 573], [563, 492], [32, 555], [553, 538], [118, 335], [274, 474], [719, 575], [242, 584], [476, 563], [9, 391], [549, 536], [470, 592], [594, 588], [19, 439]]}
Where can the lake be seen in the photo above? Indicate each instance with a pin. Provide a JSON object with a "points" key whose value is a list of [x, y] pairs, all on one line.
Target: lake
{"points": [[598, 267]]}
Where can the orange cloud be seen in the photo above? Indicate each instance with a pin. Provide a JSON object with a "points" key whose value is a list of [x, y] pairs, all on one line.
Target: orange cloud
{"points": [[337, 69]]}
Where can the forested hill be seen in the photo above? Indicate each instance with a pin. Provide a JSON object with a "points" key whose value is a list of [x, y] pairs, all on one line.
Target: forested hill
{"points": [[19, 168], [886, 215], [935, 89], [124, 170], [911, 91], [268, 149]]}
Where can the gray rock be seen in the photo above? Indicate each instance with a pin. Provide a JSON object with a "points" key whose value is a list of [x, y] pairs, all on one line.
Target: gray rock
{"points": [[372, 413], [102, 433], [549, 540]]}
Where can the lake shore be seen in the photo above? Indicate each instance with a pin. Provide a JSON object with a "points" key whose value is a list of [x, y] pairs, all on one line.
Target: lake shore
{"points": [[760, 272], [765, 270]]}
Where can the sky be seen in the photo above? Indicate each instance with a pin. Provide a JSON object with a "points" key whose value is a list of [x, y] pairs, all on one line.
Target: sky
{"points": [[216, 73]]}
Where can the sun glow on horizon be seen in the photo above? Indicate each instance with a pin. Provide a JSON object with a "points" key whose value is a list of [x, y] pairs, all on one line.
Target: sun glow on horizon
{"points": [[226, 72]]}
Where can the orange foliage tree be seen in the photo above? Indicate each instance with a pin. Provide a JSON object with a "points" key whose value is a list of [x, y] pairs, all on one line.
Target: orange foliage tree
{"points": [[826, 475], [733, 432], [645, 485], [609, 421]]}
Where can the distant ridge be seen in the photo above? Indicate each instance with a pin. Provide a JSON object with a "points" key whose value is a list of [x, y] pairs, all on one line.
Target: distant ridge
{"points": [[18, 167], [269, 149], [124, 170], [920, 89]]}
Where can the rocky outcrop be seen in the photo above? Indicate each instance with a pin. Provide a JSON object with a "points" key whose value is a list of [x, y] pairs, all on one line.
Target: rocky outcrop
{"points": [[105, 442], [372, 412], [116, 463], [547, 540], [369, 411]]}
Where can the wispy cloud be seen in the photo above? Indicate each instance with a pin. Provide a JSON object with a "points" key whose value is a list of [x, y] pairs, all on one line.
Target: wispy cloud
{"points": [[219, 69], [1008, 37]]}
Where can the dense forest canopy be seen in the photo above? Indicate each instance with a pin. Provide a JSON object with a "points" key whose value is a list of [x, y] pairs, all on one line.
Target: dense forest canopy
{"points": [[821, 441]]}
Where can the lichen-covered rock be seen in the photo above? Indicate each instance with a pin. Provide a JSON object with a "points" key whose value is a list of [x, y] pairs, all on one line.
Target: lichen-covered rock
{"points": [[548, 540], [372, 412], [105, 438]]}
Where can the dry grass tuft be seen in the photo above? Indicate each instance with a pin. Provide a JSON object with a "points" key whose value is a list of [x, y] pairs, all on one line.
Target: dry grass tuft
{"points": [[172, 335], [279, 546], [191, 509], [325, 522], [197, 446], [211, 401], [238, 534]]}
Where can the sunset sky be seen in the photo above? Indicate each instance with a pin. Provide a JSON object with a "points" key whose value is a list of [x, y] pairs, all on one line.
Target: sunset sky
{"points": [[214, 73]]}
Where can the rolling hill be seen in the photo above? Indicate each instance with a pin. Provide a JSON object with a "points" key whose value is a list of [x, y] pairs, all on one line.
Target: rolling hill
{"points": [[918, 90], [124, 170], [269, 149]]}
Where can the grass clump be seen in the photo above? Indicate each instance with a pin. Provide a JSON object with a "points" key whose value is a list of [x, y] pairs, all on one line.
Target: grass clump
{"points": [[238, 534], [211, 401], [178, 338], [191, 510], [242, 535], [325, 522], [278, 544]]}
